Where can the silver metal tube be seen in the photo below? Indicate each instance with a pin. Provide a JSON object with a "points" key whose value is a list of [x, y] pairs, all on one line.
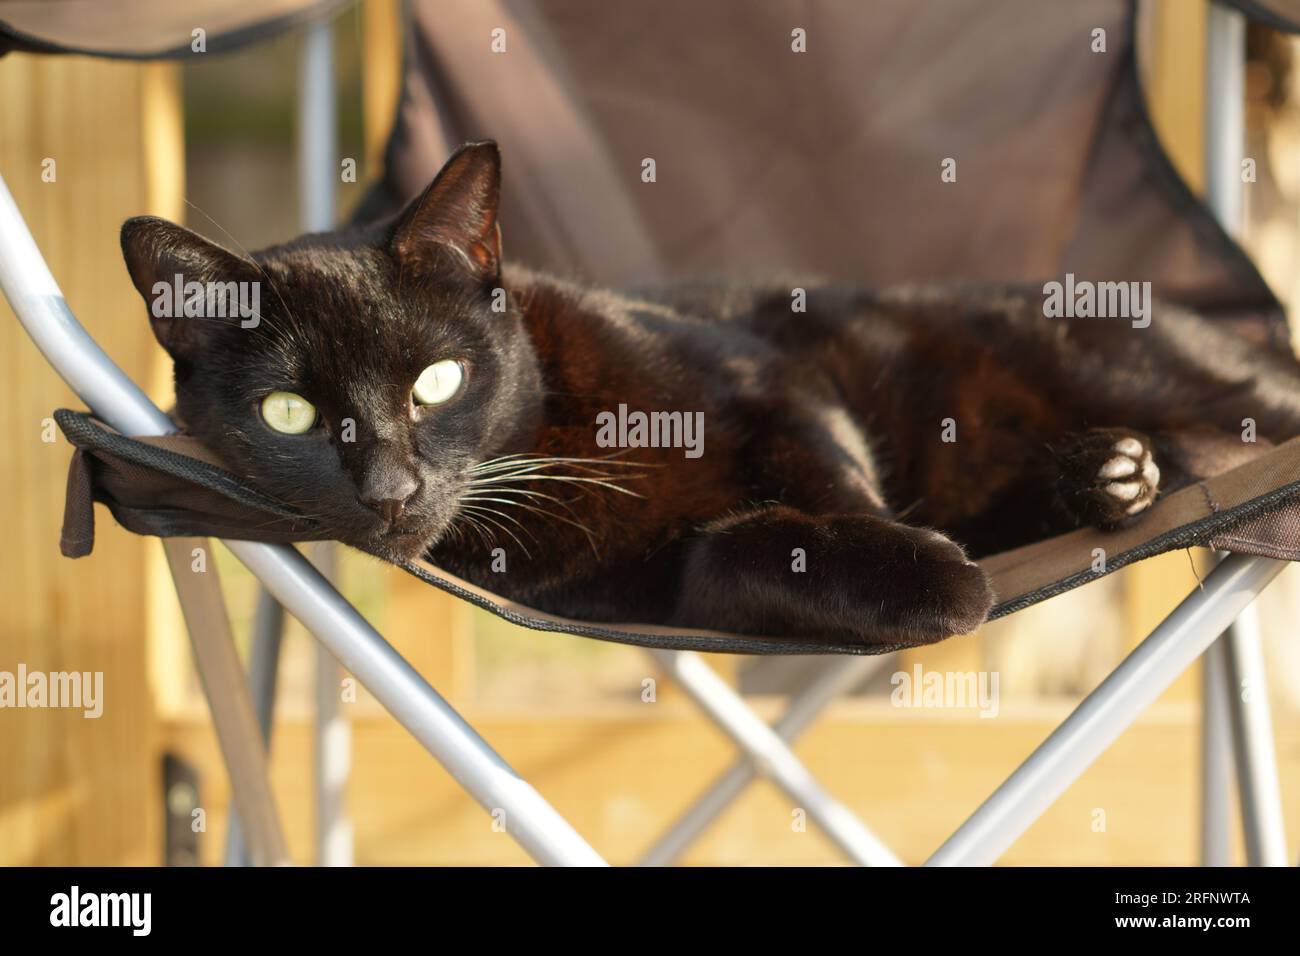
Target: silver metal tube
{"points": [[332, 748], [1246, 683], [1225, 113], [317, 147], [44, 313], [1216, 758], [264, 659], [306, 595], [773, 757], [332, 762], [836, 677], [1096, 723], [35, 297], [317, 130], [1259, 790]]}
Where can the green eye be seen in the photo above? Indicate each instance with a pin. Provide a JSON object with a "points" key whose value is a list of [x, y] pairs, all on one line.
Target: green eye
{"points": [[288, 413], [438, 383]]}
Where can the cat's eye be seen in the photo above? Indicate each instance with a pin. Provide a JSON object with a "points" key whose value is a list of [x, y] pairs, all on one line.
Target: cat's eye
{"points": [[288, 413], [438, 383]]}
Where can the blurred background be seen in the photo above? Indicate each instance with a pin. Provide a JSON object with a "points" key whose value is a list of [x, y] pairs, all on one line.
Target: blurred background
{"points": [[210, 143]]}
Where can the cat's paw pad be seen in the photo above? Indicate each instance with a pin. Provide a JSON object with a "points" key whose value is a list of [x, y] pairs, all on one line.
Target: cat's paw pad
{"points": [[1131, 478], [1108, 476]]}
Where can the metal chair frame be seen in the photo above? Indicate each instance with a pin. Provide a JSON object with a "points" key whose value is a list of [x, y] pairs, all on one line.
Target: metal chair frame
{"points": [[1235, 724]]}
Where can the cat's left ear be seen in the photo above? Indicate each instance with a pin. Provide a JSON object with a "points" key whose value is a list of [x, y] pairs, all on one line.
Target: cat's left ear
{"points": [[161, 257], [457, 214]]}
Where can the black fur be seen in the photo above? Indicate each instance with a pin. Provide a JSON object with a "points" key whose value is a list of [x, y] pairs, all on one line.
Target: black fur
{"points": [[824, 462]]}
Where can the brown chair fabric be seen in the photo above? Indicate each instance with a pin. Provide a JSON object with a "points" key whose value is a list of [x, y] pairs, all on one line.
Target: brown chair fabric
{"points": [[825, 162], [174, 487]]}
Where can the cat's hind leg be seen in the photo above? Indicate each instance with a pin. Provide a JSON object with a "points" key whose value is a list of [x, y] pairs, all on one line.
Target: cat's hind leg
{"points": [[776, 570], [1109, 477]]}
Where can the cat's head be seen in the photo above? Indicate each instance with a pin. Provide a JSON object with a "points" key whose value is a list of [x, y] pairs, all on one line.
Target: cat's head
{"points": [[356, 375]]}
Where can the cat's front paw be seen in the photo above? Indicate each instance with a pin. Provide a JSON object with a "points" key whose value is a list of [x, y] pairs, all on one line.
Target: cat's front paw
{"points": [[1108, 476], [859, 576], [939, 591]]}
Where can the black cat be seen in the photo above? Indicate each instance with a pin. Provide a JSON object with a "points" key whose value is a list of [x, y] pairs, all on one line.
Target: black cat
{"points": [[404, 386]]}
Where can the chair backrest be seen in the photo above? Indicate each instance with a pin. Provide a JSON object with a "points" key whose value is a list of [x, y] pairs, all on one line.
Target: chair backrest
{"points": [[1000, 141]]}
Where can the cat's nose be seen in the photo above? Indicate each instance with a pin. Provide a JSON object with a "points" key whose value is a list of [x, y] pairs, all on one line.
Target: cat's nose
{"points": [[389, 500], [390, 509]]}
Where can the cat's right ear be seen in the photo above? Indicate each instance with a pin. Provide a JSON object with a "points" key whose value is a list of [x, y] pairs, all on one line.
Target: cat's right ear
{"points": [[454, 221], [161, 257]]}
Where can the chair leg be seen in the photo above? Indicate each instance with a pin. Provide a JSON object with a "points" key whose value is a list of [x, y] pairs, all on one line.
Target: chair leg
{"points": [[533, 823], [317, 155], [773, 757], [837, 677], [332, 749], [1259, 791], [1095, 724], [263, 669], [229, 700], [1216, 758], [1257, 782], [332, 765]]}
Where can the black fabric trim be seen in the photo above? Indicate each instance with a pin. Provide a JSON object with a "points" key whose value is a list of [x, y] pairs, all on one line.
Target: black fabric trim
{"points": [[1193, 534], [85, 432]]}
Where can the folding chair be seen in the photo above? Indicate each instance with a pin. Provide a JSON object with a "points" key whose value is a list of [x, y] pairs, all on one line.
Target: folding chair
{"points": [[137, 458]]}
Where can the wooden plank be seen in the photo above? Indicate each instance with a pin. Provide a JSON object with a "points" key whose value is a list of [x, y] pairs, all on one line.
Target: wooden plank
{"points": [[381, 78], [75, 790], [1175, 72], [432, 630], [621, 777]]}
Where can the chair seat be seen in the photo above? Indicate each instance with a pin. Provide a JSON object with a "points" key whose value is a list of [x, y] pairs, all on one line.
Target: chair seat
{"points": [[174, 486]]}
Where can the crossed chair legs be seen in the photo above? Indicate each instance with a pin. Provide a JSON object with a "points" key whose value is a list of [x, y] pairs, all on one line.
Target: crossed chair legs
{"points": [[1189, 631], [1236, 716]]}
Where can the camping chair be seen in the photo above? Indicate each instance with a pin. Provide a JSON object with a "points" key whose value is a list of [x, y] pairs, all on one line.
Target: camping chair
{"points": [[570, 206]]}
